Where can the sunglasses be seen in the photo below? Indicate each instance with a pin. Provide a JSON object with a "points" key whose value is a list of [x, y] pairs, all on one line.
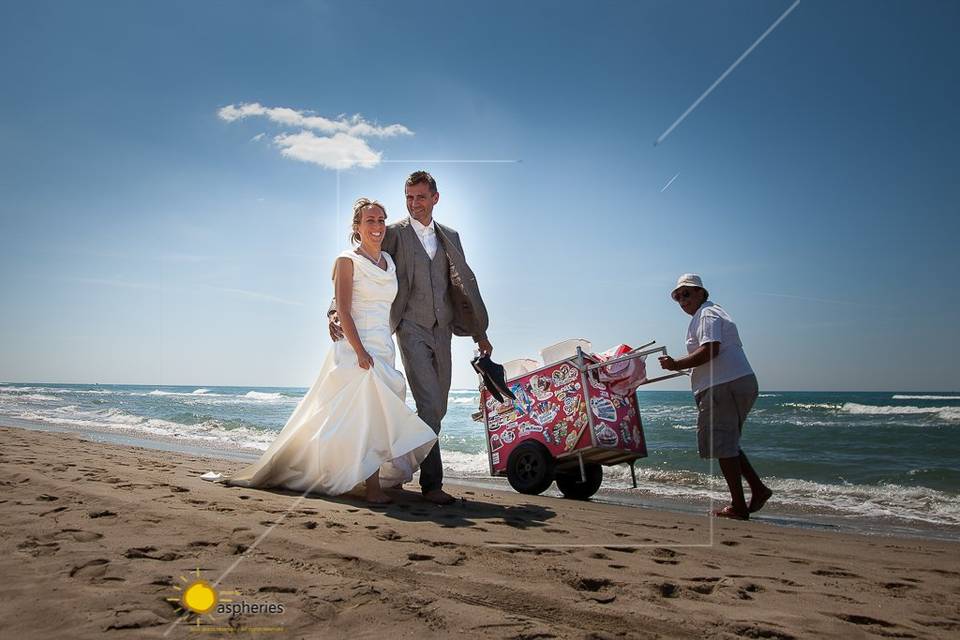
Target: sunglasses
{"points": [[683, 293]]}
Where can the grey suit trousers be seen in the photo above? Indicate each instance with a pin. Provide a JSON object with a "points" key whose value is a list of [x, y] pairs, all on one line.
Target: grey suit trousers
{"points": [[426, 361]]}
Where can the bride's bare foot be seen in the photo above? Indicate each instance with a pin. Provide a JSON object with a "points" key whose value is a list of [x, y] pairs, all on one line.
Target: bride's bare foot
{"points": [[377, 497]]}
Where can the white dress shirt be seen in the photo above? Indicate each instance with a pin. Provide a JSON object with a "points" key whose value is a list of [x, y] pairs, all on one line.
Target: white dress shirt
{"points": [[427, 235]]}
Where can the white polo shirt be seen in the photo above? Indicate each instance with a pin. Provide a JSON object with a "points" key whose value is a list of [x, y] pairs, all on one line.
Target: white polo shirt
{"points": [[427, 235], [712, 324]]}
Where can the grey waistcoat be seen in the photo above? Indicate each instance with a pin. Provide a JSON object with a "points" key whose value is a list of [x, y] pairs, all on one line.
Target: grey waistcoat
{"points": [[429, 298]]}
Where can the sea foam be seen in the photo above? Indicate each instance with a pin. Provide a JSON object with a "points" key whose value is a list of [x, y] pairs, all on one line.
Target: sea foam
{"points": [[259, 395], [950, 414]]}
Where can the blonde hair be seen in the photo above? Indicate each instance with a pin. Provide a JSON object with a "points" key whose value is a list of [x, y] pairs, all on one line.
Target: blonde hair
{"points": [[358, 207]]}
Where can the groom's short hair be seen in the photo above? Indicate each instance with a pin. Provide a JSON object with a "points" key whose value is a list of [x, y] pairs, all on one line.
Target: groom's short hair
{"points": [[419, 177]]}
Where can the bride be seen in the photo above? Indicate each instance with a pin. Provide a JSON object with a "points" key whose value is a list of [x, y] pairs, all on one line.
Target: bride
{"points": [[353, 425]]}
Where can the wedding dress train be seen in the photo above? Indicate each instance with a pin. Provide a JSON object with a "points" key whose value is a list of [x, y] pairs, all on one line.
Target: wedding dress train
{"points": [[352, 421]]}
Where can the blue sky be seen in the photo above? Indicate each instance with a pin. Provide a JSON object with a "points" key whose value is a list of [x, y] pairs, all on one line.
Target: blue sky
{"points": [[146, 239]]}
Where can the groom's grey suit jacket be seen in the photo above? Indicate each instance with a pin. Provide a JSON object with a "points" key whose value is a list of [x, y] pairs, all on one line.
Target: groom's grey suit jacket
{"points": [[454, 291]]}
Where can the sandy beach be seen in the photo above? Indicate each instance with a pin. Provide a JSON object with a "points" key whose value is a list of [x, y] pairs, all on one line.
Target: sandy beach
{"points": [[100, 540]]}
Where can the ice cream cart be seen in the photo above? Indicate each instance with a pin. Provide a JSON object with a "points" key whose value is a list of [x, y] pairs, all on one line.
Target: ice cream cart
{"points": [[565, 425]]}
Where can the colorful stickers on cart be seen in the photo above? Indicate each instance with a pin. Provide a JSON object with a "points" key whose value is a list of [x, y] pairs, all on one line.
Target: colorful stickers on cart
{"points": [[615, 425], [551, 405], [548, 404]]}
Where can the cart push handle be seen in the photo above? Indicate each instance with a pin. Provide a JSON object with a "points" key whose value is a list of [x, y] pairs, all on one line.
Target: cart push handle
{"points": [[640, 352]]}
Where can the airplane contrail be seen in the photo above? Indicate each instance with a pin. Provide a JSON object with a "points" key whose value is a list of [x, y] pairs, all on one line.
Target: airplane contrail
{"points": [[669, 183], [726, 73]]}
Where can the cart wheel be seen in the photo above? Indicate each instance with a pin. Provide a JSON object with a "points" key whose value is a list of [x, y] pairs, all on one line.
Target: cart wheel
{"points": [[572, 487], [530, 468]]}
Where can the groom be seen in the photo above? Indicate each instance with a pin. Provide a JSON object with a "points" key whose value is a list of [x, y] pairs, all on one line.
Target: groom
{"points": [[437, 298]]}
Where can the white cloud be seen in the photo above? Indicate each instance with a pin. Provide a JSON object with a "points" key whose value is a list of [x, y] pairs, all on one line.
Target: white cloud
{"points": [[355, 125], [341, 145], [340, 151], [257, 137]]}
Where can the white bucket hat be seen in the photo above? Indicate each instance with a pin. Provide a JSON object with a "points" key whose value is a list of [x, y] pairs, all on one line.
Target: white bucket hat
{"points": [[688, 280]]}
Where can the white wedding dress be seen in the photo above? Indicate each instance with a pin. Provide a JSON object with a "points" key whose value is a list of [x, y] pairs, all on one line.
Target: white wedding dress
{"points": [[352, 421]]}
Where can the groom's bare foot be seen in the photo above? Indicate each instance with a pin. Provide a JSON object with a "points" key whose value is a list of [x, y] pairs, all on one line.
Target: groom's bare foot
{"points": [[439, 496]]}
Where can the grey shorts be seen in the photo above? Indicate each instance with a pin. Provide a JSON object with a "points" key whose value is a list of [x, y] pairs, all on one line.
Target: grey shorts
{"points": [[721, 412]]}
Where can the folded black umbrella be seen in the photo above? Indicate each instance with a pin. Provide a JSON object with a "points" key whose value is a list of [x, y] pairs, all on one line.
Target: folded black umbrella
{"points": [[493, 377]]}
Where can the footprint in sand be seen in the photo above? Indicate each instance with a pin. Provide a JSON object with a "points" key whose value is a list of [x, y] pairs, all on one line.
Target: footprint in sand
{"points": [[438, 543], [581, 583], [898, 588], [388, 535], [135, 619], [101, 514], [79, 535], [150, 553], [33, 547], [663, 555], [418, 557], [834, 572], [91, 569], [705, 585], [454, 560], [857, 619]]}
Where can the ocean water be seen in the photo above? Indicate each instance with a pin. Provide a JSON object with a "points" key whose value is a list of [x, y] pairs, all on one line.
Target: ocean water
{"points": [[885, 456]]}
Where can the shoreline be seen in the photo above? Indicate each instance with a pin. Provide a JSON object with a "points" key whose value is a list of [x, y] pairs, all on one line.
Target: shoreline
{"points": [[773, 514], [96, 538]]}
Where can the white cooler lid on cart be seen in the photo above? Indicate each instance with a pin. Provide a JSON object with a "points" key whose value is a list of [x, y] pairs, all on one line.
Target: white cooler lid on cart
{"points": [[564, 349]]}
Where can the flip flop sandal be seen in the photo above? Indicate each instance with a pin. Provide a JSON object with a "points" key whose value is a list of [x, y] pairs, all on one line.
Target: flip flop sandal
{"points": [[728, 512]]}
